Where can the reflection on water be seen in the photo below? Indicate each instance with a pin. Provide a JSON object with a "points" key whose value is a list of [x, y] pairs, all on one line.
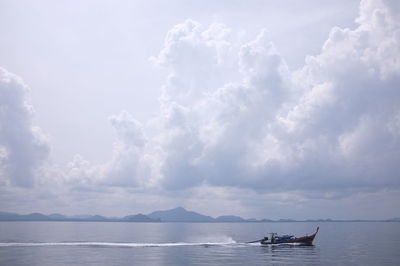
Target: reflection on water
{"points": [[291, 255]]}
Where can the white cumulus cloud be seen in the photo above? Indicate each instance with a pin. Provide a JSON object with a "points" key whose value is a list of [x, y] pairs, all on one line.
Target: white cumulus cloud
{"points": [[327, 126], [23, 147]]}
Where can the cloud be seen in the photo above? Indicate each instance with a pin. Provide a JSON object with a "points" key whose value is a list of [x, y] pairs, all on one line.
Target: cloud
{"points": [[128, 166], [350, 98], [237, 124], [23, 147], [199, 59], [234, 115], [328, 126]]}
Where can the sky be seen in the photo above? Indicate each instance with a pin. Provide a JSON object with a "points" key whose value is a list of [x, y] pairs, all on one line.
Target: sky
{"points": [[263, 109]]}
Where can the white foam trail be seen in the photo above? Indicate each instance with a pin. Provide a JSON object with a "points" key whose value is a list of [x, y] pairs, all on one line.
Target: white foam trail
{"points": [[110, 244]]}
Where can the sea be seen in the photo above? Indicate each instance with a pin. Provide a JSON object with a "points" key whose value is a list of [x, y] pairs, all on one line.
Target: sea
{"points": [[117, 243]]}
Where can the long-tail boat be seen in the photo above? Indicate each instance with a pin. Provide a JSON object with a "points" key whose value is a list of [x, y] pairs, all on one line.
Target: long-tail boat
{"points": [[287, 239]]}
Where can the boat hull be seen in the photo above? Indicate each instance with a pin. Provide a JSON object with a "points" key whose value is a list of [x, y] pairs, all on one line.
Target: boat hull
{"points": [[304, 240]]}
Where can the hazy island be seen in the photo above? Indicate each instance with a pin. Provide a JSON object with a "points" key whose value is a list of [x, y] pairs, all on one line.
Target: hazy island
{"points": [[178, 214]]}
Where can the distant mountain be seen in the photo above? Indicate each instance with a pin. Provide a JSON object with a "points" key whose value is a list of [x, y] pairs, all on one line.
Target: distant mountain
{"points": [[35, 217], [7, 213], [397, 219], [286, 220], [230, 219], [98, 218], [174, 215], [7, 216], [81, 217], [139, 218], [180, 215], [57, 216], [266, 221], [318, 220]]}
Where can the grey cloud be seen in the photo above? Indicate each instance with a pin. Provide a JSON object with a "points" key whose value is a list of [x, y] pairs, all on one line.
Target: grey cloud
{"points": [[23, 147]]}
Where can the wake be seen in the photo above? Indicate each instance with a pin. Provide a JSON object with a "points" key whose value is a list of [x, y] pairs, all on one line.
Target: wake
{"points": [[227, 243], [114, 244]]}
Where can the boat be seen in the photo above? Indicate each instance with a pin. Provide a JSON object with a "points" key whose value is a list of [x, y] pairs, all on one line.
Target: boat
{"points": [[287, 239]]}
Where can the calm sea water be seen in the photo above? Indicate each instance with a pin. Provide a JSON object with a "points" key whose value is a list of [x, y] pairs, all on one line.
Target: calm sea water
{"points": [[87, 243]]}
